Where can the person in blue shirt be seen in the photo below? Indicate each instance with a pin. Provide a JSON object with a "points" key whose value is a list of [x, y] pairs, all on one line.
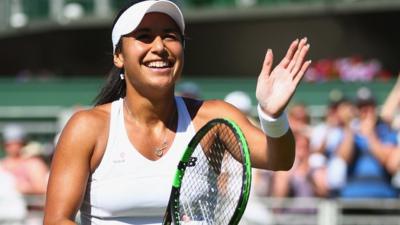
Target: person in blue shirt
{"points": [[369, 144]]}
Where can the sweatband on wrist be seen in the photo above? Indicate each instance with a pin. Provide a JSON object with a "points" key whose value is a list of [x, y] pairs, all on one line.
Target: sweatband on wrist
{"points": [[273, 127]]}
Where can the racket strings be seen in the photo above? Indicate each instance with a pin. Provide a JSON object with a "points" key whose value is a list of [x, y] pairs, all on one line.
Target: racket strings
{"points": [[212, 187]]}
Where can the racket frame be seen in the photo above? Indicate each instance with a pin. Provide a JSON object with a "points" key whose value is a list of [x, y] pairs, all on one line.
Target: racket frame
{"points": [[172, 213]]}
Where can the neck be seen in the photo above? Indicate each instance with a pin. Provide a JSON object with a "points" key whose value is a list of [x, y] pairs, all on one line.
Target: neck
{"points": [[156, 123], [150, 116], [150, 110]]}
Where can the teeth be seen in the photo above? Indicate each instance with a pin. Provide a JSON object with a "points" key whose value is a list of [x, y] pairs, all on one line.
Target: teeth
{"points": [[158, 64]]}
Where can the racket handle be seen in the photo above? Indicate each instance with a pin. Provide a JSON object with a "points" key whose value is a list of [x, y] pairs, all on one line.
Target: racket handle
{"points": [[167, 217]]}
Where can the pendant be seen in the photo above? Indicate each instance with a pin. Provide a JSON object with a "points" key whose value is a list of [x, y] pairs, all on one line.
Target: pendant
{"points": [[160, 151]]}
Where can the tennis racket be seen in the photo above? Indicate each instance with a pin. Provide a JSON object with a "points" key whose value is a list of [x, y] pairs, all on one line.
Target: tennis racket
{"points": [[212, 181]]}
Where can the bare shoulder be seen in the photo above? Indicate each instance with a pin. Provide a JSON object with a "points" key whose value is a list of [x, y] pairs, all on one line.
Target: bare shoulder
{"points": [[211, 109], [87, 127], [218, 108], [90, 119]]}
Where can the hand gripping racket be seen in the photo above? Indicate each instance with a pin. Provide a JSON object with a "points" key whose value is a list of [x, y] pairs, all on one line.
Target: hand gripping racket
{"points": [[212, 181]]}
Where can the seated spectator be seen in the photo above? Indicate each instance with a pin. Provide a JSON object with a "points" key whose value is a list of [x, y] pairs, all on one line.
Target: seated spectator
{"points": [[30, 172]]}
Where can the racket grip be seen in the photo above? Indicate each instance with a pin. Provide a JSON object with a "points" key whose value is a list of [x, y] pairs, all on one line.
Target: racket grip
{"points": [[167, 217]]}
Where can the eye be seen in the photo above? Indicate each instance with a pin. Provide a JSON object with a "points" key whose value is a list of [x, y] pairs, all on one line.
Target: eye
{"points": [[172, 36], [144, 37]]}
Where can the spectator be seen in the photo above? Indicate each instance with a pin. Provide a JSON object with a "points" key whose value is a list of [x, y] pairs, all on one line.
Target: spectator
{"points": [[295, 182], [366, 147], [329, 168], [30, 172], [299, 118], [13, 208]]}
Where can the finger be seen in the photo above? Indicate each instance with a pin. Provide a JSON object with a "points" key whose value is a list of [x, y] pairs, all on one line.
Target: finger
{"points": [[292, 48], [299, 61], [302, 71], [296, 55], [267, 64], [398, 80]]}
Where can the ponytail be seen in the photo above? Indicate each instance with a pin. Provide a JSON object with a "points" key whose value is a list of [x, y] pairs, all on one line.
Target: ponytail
{"points": [[113, 89]]}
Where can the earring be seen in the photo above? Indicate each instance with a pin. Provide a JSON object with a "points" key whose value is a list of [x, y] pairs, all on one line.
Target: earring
{"points": [[122, 76]]}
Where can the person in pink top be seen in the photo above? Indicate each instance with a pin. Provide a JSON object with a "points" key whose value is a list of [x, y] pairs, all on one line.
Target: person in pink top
{"points": [[30, 172]]}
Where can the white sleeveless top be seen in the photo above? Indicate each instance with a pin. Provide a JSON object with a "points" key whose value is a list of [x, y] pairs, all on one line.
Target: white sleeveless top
{"points": [[126, 187]]}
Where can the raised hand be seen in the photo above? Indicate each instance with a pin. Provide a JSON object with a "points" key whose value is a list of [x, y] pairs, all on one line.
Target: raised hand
{"points": [[275, 89]]}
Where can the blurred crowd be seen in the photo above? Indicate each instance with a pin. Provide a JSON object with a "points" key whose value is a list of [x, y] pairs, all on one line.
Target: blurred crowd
{"points": [[23, 173], [348, 69], [354, 152]]}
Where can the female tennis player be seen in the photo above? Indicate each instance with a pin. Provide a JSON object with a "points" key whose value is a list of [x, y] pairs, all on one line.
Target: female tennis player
{"points": [[115, 162]]}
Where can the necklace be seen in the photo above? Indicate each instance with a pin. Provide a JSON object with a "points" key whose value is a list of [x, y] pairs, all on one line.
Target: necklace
{"points": [[158, 151]]}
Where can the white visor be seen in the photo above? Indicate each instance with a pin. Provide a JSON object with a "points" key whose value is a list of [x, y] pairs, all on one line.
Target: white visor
{"points": [[131, 18]]}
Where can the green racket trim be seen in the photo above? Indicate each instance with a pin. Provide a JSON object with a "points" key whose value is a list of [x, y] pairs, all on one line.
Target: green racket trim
{"points": [[247, 179], [247, 176], [189, 150]]}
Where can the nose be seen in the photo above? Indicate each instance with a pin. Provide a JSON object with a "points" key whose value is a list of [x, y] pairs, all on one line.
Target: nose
{"points": [[158, 46]]}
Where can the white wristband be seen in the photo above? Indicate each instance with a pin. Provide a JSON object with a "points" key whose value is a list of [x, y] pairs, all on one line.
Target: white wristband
{"points": [[273, 127]]}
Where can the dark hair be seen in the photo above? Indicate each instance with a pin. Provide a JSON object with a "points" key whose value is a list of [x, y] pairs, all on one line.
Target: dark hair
{"points": [[114, 88]]}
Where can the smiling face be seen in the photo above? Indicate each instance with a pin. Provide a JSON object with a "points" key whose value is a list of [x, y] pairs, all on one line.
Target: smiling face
{"points": [[152, 55]]}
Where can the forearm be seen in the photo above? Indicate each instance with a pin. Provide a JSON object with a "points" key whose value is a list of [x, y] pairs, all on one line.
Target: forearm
{"points": [[393, 163], [390, 106], [281, 152], [379, 150], [345, 149], [391, 103], [280, 141], [60, 221]]}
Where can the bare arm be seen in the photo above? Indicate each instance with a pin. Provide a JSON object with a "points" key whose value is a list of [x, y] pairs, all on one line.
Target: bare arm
{"points": [[391, 103], [346, 148], [382, 152], [393, 163], [275, 88], [274, 91], [379, 150], [70, 169]]}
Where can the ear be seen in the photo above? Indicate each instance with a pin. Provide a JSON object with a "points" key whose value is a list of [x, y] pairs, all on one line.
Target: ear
{"points": [[118, 60]]}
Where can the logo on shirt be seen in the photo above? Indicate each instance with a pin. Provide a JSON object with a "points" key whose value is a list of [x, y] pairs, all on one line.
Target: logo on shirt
{"points": [[121, 158]]}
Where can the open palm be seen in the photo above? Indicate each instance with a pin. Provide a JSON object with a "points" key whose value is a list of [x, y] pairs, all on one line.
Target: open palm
{"points": [[275, 88]]}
